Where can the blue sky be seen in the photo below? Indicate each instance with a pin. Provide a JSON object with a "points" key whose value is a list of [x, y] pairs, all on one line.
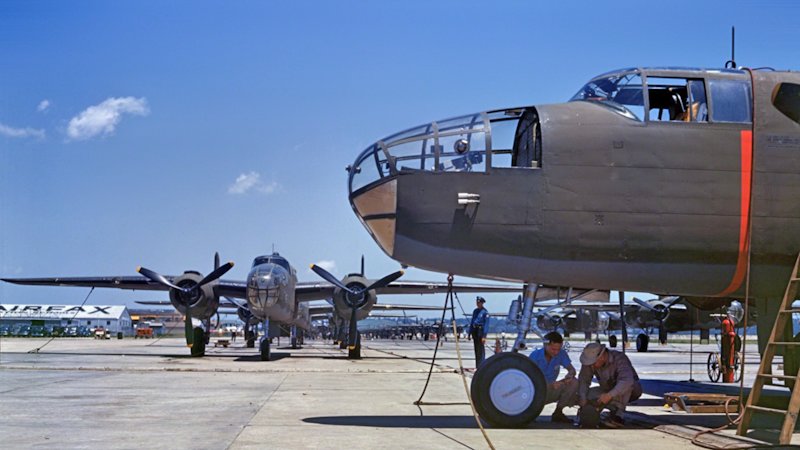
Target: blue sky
{"points": [[124, 126]]}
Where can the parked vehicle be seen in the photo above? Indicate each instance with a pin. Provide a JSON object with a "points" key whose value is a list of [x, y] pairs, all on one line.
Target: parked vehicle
{"points": [[101, 333], [5, 330], [23, 331], [38, 331]]}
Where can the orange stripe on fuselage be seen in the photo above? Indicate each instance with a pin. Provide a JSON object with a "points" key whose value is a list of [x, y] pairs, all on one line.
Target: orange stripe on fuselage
{"points": [[744, 215]]}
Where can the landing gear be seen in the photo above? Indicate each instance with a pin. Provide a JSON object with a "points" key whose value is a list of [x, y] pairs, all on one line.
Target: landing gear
{"points": [[249, 337], [662, 336], [509, 390], [264, 349], [295, 340], [198, 342], [355, 352], [642, 342], [263, 346], [612, 341], [713, 367]]}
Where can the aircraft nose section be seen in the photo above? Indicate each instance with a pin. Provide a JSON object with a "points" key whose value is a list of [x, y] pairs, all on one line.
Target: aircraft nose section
{"points": [[263, 285], [376, 207]]}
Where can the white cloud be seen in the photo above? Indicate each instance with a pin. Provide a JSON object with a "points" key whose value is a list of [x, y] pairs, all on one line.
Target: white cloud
{"points": [[252, 181], [43, 105], [327, 264], [104, 117], [11, 132]]}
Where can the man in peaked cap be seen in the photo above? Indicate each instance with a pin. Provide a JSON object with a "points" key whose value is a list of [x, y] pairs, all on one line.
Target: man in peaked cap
{"points": [[619, 383], [478, 327]]}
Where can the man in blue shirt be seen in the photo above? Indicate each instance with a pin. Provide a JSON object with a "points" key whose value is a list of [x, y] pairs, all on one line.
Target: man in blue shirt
{"points": [[550, 359], [478, 327]]}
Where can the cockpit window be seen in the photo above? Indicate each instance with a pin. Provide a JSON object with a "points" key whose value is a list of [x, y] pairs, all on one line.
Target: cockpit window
{"points": [[620, 92], [677, 100], [278, 260], [730, 100]]}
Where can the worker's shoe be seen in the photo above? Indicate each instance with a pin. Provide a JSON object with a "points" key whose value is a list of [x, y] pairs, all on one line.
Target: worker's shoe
{"points": [[613, 421], [559, 417]]}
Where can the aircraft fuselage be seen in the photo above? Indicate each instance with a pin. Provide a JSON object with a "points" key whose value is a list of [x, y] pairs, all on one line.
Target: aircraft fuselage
{"points": [[598, 197]]}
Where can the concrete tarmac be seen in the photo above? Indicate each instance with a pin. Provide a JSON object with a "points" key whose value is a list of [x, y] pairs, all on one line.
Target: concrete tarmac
{"points": [[82, 393]]}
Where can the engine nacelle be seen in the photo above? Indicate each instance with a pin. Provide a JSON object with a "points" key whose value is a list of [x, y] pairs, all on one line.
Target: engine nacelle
{"points": [[549, 322], [202, 302], [340, 301]]}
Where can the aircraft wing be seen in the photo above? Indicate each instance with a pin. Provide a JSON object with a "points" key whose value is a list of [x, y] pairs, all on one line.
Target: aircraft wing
{"points": [[308, 291], [127, 282], [222, 304], [228, 288]]}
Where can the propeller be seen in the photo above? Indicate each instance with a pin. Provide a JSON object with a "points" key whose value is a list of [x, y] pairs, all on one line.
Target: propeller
{"points": [[660, 311], [355, 297], [188, 291]]}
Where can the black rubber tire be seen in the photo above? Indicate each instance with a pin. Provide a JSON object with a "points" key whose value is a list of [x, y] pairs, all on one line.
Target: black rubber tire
{"points": [[612, 341], [482, 381], [264, 349], [198, 342], [642, 342], [294, 342]]}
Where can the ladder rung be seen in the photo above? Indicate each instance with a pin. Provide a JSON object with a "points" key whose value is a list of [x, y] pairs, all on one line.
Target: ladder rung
{"points": [[786, 344], [767, 410], [795, 279], [791, 311], [780, 377]]}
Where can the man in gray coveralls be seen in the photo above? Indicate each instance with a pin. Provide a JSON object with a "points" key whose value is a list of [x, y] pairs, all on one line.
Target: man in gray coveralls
{"points": [[619, 383]]}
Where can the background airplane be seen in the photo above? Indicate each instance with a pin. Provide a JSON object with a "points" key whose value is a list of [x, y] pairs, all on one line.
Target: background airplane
{"points": [[271, 292]]}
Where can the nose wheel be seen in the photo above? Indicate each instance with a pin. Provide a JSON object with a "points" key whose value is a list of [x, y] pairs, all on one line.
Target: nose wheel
{"points": [[264, 349]]}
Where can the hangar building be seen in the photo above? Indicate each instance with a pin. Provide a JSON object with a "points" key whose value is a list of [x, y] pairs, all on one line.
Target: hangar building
{"points": [[113, 318]]}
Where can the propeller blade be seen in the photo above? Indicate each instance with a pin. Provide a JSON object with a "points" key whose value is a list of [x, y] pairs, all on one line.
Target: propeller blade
{"points": [[157, 277], [362, 265], [188, 328], [218, 272], [216, 260], [384, 281], [644, 304], [353, 329], [327, 276], [669, 301]]}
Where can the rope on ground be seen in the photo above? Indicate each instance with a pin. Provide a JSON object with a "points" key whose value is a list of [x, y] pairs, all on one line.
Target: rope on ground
{"points": [[449, 299], [36, 350], [436, 350]]}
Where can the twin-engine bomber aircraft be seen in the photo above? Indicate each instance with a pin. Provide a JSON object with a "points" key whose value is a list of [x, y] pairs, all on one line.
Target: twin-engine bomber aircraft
{"points": [[270, 292], [674, 181]]}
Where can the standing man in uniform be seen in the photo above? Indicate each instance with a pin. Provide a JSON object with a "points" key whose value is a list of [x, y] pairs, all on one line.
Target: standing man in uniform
{"points": [[619, 383], [550, 359], [478, 327]]}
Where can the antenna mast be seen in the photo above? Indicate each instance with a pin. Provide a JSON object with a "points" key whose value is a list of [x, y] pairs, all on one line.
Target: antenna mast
{"points": [[731, 63]]}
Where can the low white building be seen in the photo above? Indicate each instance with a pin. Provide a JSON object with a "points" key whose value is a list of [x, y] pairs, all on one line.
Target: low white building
{"points": [[114, 318]]}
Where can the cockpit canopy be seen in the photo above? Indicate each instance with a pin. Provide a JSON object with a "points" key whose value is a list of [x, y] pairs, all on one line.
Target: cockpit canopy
{"points": [[272, 259]]}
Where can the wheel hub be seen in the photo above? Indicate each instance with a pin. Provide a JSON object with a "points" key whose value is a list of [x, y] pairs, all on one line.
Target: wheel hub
{"points": [[512, 391]]}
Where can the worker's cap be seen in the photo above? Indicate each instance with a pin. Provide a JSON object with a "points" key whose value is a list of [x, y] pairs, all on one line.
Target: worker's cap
{"points": [[591, 352], [481, 299]]}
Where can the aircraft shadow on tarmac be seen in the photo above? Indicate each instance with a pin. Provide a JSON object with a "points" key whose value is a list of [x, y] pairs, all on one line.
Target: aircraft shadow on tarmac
{"points": [[440, 422], [274, 356]]}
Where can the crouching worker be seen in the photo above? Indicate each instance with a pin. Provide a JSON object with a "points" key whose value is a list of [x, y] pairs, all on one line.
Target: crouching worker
{"points": [[619, 383], [550, 359]]}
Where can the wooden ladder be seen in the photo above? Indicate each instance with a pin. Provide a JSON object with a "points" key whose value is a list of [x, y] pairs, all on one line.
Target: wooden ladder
{"points": [[783, 320]]}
